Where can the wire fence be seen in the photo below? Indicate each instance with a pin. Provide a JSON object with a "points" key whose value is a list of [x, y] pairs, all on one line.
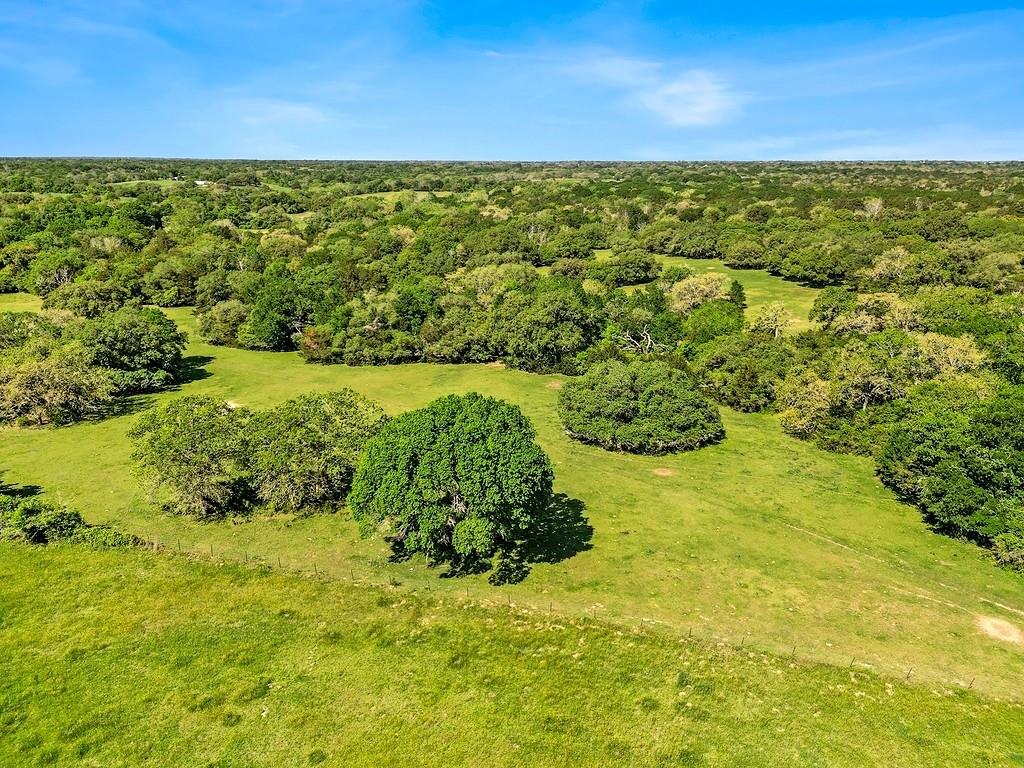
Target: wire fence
{"points": [[642, 624]]}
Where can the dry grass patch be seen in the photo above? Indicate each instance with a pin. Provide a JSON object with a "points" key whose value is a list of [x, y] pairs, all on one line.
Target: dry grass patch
{"points": [[1000, 629]]}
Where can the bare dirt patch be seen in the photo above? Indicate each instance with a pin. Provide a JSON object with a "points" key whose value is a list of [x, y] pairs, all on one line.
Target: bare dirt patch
{"points": [[232, 404], [663, 472], [554, 385], [1000, 629], [495, 364]]}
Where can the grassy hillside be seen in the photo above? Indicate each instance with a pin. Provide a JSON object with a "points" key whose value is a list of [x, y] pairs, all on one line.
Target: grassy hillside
{"points": [[761, 540], [138, 659]]}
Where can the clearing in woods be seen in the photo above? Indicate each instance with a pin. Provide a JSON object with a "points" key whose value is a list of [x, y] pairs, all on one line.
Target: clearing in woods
{"points": [[761, 540], [760, 287]]}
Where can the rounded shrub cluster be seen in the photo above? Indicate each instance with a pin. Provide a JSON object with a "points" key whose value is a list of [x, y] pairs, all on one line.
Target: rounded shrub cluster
{"points": [[638, 407]]}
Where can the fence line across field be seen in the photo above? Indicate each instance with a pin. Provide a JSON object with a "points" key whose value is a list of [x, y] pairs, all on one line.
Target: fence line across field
{"points": [[642, 622]]}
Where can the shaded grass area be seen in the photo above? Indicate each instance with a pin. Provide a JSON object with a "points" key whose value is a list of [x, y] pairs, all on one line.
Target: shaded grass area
{"points": [[761, 539], [133, 658]]}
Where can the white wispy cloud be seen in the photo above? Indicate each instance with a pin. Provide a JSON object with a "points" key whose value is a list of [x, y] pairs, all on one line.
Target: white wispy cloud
{"points": [[621, 71], [692, 97], [696, 97]]}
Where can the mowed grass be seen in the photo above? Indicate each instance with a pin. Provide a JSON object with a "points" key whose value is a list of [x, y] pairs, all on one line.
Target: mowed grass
{"points": [[761, 540], [136, 658], [20, 302], [761, 288]]}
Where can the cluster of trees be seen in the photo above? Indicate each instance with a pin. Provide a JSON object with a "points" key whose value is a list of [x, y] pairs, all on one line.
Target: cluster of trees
{"points": [[549, 267], [457, 481], [959, 454], [212, 459], [59, 366]]}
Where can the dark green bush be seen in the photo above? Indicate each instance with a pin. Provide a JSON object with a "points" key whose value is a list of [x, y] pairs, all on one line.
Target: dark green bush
{"points": [[639, 407], [456, 480], [140, 346], [34, 521], [962, 467], [743, 370]]}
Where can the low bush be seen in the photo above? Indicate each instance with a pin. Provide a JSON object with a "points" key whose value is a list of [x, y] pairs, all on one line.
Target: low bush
{"points": [[638, 407], [34, 521]]}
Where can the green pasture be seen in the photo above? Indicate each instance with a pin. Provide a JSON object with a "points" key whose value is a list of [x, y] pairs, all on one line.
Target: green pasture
{"points": [[19, 302], [135, 659], [762, 541], [761, 288]]}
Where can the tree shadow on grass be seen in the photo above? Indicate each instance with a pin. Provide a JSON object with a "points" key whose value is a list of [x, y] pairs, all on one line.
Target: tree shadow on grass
{"points": [[19, 491], [192, 369], [125, 405], [559, 532]]}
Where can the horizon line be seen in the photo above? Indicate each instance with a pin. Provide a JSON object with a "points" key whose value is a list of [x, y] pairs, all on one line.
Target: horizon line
{"points": [[496, 161]]}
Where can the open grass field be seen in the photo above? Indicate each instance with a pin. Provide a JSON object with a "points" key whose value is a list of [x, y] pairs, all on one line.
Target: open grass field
{"points": [[19, 302], [135, 658], [761, 540], [761, 288]]}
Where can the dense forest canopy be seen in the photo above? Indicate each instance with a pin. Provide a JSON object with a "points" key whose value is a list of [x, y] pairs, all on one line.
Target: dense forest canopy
{"points": [[914, 355]]}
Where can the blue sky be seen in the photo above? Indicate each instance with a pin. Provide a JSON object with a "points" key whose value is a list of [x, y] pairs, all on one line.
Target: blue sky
{"points": [[512, 80]]}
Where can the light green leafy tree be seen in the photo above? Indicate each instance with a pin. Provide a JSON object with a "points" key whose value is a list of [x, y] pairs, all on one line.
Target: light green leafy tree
{"points": [[304, 452]]}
